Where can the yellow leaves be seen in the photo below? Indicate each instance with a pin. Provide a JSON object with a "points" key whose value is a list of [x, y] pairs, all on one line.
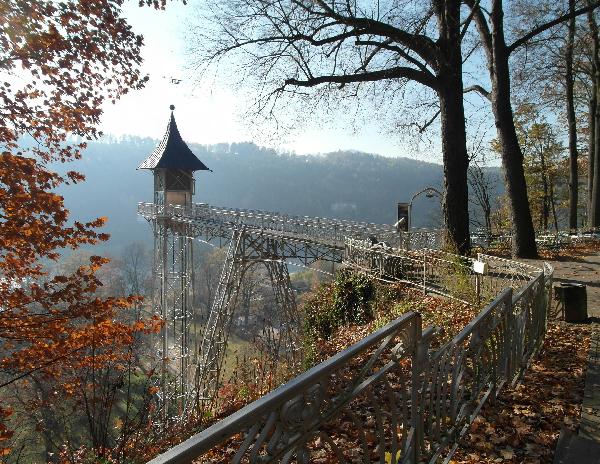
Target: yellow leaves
{"points": [[507, 453], [389, 458]]}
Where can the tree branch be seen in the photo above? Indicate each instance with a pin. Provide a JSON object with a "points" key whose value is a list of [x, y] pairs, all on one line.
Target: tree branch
{"points": [[467, 21], [420, 44], [482, 25], [544, 27], [398, 72], [387, 46], [429, 123], [479, 89]]}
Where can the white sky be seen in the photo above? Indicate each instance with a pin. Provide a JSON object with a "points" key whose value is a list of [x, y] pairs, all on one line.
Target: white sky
{"points": [[209, 113]]}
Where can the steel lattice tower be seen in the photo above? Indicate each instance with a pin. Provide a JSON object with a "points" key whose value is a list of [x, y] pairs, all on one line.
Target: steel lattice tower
{"points": [[173, 165], [192, 351]]}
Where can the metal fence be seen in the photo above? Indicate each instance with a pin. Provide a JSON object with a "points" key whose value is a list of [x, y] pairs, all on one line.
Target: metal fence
{"points": [[440, 272], [390, 398], [328, 231]]}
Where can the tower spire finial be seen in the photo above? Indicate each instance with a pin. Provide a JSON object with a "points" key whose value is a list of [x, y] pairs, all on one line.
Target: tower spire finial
{"points": [[172, 107]]}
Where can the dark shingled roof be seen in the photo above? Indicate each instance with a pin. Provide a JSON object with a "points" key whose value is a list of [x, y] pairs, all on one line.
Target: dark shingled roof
{"points": [[173, 153]]}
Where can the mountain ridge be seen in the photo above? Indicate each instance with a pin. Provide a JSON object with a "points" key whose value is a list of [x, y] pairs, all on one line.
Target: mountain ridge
{"points": [[342, 184]]}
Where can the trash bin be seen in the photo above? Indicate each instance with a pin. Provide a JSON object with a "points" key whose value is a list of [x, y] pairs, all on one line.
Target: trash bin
{"points": [[573, 298]]}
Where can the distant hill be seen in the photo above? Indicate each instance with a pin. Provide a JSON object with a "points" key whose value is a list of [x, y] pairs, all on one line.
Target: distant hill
{"points": [[349, 185]]}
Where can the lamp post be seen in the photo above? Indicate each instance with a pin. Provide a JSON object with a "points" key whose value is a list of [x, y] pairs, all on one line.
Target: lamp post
{"points": [[429, 192]]}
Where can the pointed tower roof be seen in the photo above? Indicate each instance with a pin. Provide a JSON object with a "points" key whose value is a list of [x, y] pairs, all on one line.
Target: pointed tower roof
{"points": [[172, 152]]}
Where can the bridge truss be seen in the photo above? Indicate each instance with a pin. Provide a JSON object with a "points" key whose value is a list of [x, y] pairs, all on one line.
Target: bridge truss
{"points": [[192, 350]]}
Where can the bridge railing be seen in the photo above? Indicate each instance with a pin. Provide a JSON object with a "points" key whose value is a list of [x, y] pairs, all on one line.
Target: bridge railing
{"points": [[326, 230]]}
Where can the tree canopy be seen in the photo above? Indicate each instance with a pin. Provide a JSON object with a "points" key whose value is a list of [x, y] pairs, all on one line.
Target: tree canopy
{"points": [[59, 61]]}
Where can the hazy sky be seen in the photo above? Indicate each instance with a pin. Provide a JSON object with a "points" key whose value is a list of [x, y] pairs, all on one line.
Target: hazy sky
{"points": [[210, 113]]}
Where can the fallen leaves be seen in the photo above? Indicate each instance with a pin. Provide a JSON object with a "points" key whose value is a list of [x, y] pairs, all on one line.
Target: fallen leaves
{"points": [[523, 424]]}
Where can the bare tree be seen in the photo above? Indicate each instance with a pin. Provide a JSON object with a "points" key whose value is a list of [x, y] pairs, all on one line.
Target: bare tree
{"points": [[592, 116], [206, 278], [481, 188], [490, 24], [594, 153], [297, 48], [555, 68], [572, 122], [135, 263]]}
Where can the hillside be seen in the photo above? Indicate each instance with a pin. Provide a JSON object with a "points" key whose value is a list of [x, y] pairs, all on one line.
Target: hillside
{"points": [[348, 185]]}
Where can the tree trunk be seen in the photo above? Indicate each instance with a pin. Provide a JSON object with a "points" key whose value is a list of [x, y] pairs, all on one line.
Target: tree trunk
{"points": [[573, 174], [595, 206], [591, 150], [594, 209], [546, 196], [455, 168], [524, 245], [553, 204], [454, 139]]}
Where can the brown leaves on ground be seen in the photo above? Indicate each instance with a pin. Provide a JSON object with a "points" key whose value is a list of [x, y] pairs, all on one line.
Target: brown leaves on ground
{"points": [[577, 249], [524, 423]]}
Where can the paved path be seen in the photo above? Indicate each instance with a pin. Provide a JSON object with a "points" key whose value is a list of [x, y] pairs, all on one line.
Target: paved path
{"points": [[584, 270], [584, 448]]}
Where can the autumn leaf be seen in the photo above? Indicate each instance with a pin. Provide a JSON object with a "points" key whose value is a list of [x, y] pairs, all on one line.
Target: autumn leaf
{"points": [[70, 57], [389, 458]]}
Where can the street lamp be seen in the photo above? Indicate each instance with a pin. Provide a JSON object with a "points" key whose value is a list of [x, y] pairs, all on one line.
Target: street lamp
{"points": [[429, 192]]}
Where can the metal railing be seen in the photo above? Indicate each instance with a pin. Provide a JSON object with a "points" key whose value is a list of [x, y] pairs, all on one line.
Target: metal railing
{"points": [[390, 398], [302, 417], [333, 232], [440, 272], [322, 230]]}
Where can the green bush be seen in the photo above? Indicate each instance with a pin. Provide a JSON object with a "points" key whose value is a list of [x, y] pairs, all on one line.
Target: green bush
{"points": [[346, 300]]}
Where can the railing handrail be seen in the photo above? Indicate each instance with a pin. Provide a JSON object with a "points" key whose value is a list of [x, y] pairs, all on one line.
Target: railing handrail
{"points": [[509, 261], [220, 431], [256, 214], [468, 329]]}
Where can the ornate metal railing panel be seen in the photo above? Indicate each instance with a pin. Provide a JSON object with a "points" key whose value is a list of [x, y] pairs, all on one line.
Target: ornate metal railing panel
{"points": [[505, 273], [415, 239], [461, 375], [356, 406]]}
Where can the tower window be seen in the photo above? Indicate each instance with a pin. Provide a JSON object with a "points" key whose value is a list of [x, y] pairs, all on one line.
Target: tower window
{"points": [[179, 180]]}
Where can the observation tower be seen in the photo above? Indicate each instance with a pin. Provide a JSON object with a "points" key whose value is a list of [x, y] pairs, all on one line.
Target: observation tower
{"points": [[173, 165]]}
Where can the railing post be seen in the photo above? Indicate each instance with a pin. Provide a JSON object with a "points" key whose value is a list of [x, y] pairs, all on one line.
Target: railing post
{"points": [[509, 345], [421, 346], [424, 272]]}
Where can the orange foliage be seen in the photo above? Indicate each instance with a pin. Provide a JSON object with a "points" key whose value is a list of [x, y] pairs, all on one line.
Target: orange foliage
{"points": [[59, 61]]}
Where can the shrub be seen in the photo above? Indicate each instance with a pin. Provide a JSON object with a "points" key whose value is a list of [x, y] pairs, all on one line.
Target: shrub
{"points": [[346, 300]]}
